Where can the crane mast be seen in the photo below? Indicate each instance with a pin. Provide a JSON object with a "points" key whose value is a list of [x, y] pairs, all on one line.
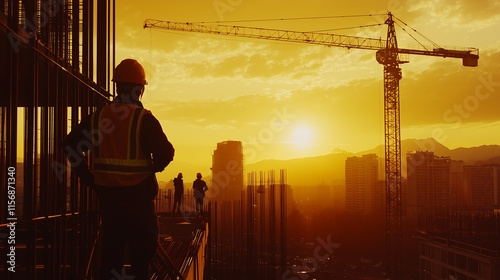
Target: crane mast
{"points": [[387, 55], [392, 131]]}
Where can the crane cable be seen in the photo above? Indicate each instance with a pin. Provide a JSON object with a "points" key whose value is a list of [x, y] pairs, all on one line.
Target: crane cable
{"points": [[423, 46], [283, 19], [432, 42], [353, 27]]}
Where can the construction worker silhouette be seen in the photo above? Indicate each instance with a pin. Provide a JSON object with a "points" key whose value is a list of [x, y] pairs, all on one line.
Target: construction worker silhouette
{"points": [[127, 147], [179, 191], [199, 187]]}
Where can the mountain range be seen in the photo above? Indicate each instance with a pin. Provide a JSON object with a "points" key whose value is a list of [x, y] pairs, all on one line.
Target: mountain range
{"points": [[330, 169]]}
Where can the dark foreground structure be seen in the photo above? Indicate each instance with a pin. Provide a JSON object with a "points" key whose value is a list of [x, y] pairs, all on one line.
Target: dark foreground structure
{"points": [[55, 69], [55, 61]]}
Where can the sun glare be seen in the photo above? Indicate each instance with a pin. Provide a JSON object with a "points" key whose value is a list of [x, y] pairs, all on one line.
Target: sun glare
{"points": [[302, 136]]}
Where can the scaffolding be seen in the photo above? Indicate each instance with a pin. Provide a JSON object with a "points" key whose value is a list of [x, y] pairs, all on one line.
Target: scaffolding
{"points": [[52, 75], [248, 236]]}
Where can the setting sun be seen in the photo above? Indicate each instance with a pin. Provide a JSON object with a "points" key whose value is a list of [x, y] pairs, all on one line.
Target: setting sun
{"points": [[302, 137]]}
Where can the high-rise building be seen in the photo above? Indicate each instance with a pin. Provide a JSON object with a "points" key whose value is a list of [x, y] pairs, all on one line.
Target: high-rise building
{"points": [[442, 200], [363, 194], [497, 189], [434, 184], [459, 195], [227, 171], [482, 186], [444, 258], [465, 245]]}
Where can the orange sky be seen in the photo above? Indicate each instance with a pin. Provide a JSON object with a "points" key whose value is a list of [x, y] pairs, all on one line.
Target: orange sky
{"points": [[290, 100]]}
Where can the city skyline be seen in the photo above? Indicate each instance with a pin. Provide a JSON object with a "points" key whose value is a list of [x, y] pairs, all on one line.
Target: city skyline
{"points": [[285, 100]]}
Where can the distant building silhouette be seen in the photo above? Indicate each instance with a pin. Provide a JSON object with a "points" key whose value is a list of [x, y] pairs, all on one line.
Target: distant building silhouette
{"points": [[482, 185], [227, 171], [451, 206], [463, 246], [440, 184], [431, 182], [365, 194]]}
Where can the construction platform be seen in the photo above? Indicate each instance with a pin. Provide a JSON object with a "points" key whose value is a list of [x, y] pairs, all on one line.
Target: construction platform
{"points": [[182, 253]]}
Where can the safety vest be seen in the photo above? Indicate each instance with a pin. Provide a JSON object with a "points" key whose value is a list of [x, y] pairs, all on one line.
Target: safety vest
{"points": [[118, 159]]}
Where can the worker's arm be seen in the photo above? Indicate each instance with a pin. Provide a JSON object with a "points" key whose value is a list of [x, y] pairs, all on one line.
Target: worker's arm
{"points": [[76, 147], [155, 142]]}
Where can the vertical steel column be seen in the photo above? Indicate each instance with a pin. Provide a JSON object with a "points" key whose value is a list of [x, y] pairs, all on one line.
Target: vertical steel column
{"points": [[101, 43], [36, 154], [272, 221], [44, 185], [85, 39], [43, 30], [63, 125], [262, 198], [114, 42], [283, 218], [108, 41], [216, 249], [250, 227], [29, 191], [75, 40], [392, 75], [74, 195], [84, 217], [90, 38], [65, 34], [236, 246], [241, 260]]}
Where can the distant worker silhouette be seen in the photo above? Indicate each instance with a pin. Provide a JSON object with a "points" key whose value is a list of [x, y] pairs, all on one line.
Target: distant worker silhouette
{"points": [[199, 187], [127, 146], [179, 191]]}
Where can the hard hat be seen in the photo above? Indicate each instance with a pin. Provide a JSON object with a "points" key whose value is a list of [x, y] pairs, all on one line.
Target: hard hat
{"points": [[130, 71]]}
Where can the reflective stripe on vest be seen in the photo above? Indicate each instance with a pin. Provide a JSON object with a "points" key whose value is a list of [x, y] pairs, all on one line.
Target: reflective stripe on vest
{"points": [[118, 159]]}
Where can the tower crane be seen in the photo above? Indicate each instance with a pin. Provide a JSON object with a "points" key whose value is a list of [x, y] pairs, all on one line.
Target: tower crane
{"points": [[387, 54]]}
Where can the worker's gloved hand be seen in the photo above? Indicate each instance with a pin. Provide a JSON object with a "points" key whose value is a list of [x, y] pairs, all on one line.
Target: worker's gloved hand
{"points": [[85, 175]]}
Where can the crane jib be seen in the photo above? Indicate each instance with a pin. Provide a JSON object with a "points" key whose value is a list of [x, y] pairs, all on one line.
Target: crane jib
{"points": [[470, 56]]}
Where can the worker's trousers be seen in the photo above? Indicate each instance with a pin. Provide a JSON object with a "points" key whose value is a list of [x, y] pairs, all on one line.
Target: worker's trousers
{"points": [[135, 225]]}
